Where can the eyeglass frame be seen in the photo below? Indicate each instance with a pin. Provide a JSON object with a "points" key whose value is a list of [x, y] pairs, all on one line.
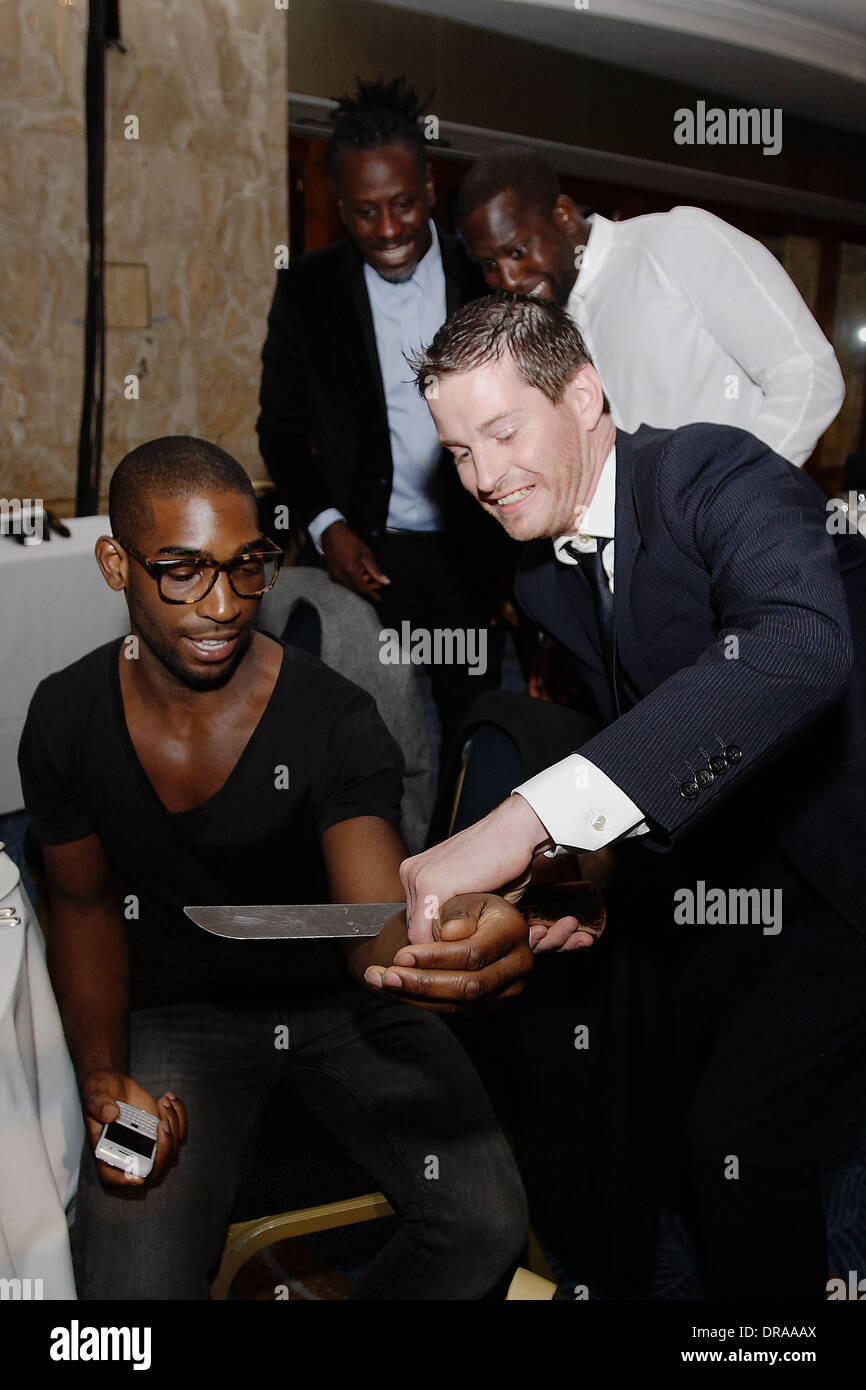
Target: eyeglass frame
{"points": [[156, 568]]}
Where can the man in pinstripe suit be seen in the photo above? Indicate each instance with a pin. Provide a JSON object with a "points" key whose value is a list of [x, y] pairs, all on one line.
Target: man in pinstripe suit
{"points": [[720, 627]]}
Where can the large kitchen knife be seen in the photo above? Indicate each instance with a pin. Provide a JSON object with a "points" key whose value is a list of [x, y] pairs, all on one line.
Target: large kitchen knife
{"points": [[295, 921]]}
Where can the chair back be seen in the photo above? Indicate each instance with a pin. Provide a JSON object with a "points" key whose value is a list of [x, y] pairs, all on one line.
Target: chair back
{"points": [[351, 646]]}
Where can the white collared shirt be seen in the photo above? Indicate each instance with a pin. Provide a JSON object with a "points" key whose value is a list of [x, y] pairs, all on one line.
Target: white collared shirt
{"points": [[578, 805], [688, 320], [597, 521]]}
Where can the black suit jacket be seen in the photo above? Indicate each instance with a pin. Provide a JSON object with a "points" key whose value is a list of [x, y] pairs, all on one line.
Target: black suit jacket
{"points": [[323, 428], [718, 538]]}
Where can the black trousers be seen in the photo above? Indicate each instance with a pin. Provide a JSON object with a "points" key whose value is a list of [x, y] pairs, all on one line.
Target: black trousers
{"points": [[390, 1084], [575, 1066], [718, 1059], [432, 589], [769, 1036]]}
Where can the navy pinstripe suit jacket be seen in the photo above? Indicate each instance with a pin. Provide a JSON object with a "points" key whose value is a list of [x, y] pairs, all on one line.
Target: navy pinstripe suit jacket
{"points": [[718, 538]]}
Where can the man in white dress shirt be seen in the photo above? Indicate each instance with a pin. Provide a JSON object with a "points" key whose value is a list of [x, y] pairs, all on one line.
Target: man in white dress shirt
{"points": [[686, 318]]}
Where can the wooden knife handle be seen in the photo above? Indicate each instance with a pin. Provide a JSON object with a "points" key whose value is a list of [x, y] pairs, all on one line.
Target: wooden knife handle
{"points": [[581, 900]]}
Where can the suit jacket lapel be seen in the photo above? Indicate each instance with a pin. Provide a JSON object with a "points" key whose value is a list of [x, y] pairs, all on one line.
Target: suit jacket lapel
{"points": [[626, 547], [574, 585], [353, 275], [558, 598]]}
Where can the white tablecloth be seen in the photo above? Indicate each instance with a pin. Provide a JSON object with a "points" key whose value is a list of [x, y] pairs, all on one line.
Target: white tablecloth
{"points": [[41, 1127], [54, 607]]}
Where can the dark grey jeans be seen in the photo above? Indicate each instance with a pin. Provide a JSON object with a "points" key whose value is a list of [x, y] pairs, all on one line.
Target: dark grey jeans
{"points": [[392, 1085]]}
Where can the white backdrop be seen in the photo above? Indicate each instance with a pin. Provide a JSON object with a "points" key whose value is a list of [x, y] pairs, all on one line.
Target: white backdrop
{"points": [[41, 1127], [54, 608]]}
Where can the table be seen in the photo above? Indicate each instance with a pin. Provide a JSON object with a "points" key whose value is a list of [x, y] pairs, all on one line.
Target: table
{"points": [[54, 607], [41, 1127]]}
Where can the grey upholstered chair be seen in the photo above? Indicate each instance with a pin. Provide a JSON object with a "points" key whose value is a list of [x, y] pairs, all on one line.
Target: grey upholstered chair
{"points": [[351, 646]]}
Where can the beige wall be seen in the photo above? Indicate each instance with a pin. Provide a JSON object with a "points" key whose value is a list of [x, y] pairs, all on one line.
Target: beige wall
{"points": [[198, 201]]}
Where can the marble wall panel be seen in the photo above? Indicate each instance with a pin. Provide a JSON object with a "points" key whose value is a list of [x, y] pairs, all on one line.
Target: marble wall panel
{"points": [[43, 236], [199, 199]]}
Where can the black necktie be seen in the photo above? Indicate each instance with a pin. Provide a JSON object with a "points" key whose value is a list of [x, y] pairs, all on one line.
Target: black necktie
{"points": [[591, 563]]}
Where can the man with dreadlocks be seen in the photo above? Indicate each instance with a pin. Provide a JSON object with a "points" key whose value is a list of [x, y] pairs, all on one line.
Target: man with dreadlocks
{"points": [[349, 444]]}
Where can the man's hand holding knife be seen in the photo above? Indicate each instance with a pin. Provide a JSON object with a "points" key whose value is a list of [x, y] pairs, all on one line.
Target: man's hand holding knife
{"points": [[462, 942], [477, 955], [476, 950]]}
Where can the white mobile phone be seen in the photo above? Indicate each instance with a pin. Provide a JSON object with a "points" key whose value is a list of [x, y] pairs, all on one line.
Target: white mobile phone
{"points": [[129, 1142]]}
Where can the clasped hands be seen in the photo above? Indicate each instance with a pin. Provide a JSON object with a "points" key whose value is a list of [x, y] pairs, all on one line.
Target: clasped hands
{"points": [[468, 945]]}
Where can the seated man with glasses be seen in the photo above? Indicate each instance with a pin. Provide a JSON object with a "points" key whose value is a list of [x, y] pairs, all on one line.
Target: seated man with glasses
{"points": [[200, 761]]}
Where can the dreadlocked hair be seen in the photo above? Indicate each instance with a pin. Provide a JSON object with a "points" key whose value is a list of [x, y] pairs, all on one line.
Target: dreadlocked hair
{"points": [[380, 113]]}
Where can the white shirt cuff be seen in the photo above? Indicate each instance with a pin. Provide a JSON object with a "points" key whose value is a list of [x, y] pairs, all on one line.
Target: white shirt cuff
{"points": [[320, 524], [580, 807]]}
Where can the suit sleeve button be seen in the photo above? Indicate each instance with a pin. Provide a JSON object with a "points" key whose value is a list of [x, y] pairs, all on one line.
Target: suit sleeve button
{"points": [[718, 764], [733, 754], [704, 778], [689, 789]]}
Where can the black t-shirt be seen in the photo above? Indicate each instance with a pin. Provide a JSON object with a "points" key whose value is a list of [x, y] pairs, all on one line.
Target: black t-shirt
{"points": [[255, 841]]}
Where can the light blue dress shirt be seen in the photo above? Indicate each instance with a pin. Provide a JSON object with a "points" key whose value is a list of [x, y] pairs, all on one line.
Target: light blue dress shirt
{"points": [[406, 315]]}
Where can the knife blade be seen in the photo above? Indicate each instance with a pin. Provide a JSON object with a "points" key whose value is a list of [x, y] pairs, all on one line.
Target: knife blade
{"points": [[296, 921]]}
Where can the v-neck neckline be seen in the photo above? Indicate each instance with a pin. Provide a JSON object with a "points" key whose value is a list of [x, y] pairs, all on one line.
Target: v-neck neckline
{"points": [[138, 766]]}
